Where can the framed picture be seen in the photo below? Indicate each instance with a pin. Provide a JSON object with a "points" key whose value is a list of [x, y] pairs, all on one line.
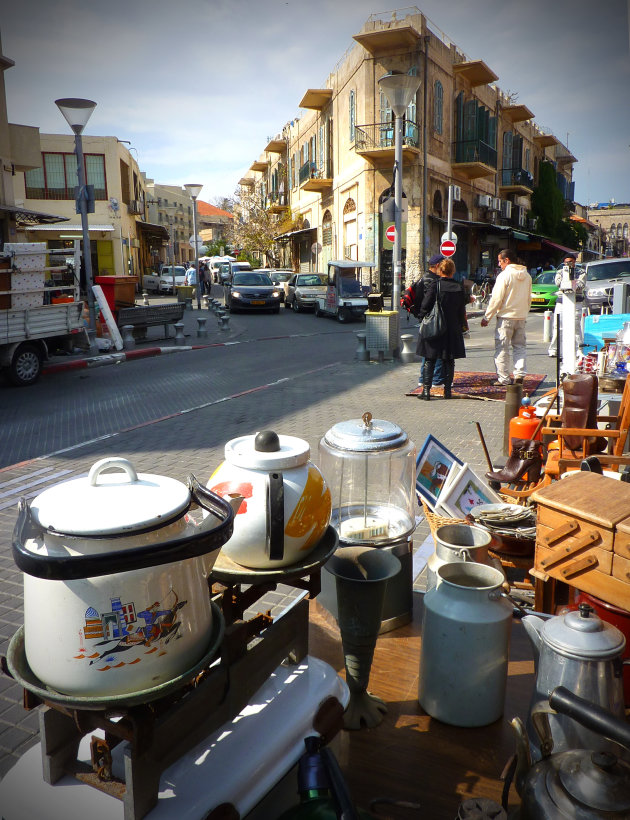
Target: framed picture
{"points": [[465, 493], [433, 467]]}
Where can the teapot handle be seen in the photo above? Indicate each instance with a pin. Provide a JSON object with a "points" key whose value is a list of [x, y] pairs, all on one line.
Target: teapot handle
{"points": [[208, 537], [591, 716], [275, 516]]}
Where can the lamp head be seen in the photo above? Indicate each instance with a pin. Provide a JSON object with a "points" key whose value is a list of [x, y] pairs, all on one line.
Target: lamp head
{"points": [[399, 89], [193, 189], [76, 112]]}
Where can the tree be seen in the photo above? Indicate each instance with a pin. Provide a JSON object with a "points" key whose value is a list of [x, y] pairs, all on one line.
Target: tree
{"points": [[549, 206], [254, 226]]}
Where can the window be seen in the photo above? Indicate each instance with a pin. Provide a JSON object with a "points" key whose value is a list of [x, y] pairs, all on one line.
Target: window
{"points": [[58, 177], [327, 229], [625, 230], [352, 114], [438, 107], [508, 140]]}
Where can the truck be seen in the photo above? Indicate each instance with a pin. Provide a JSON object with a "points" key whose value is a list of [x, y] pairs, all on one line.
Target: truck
{"points": [[29, 329], [346, 290]]}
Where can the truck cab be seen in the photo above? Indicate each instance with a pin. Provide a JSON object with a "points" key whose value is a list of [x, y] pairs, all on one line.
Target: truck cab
{"points": [[347, 287]]}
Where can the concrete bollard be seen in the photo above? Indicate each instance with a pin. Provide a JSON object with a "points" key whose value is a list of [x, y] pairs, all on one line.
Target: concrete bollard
{"points": [[215, 305], [179, 333], [129, 343], [408, 352], [204, 301], [188, 304], [202, 331], [145, 298], [362, 354], [547, 326], [224, 321]]}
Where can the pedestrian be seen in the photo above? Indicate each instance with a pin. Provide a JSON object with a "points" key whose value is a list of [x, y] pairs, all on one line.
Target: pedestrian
{"points": [[204, 275], [449, 345], [577, 283], [419, 289], [510, 302], [192, 278]]}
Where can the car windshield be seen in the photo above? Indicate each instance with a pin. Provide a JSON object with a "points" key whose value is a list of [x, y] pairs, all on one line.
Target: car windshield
{"points": [[251, 278], [349, 286], [608, 270], [310, 280], [281, 277], [546, 278]]}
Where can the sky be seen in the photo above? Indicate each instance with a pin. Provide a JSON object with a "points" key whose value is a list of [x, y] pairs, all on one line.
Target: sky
{"points": [[198, 86]]}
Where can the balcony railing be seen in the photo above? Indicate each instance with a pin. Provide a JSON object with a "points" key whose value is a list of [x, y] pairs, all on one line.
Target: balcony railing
{"points": [[312, 170], [475, 151], [382, 135], [517, 176], [276, 198]]}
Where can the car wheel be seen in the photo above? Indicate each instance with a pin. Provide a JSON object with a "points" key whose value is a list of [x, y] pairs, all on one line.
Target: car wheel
{"points": [[318, 312], [343, 315], [295, 305], [276, 309], [26, 365]]}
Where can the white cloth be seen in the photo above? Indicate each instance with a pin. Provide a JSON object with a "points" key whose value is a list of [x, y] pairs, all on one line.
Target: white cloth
{"points": [[511, 295], [191, 276], [509, 333]]}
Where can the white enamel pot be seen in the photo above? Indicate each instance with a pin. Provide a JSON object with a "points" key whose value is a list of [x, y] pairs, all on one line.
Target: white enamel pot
{"points": [[116, 597], [281, 500]]}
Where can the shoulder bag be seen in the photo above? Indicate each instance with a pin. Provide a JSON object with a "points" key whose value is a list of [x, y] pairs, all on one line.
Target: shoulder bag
{"points": [[434, 323]]}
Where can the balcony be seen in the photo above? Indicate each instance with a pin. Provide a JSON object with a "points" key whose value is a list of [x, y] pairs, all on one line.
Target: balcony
{"points": [[383, 41], [516, 181], [259, 165], [476, 72], [545, 140], [474, 159], [517, 113], [316, 98], [276, 202], [313, 177], [276, 146], [376, 141]]}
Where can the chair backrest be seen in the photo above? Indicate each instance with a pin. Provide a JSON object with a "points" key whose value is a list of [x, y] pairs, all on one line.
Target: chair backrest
{"points": [[580, 407], [624, 420]]}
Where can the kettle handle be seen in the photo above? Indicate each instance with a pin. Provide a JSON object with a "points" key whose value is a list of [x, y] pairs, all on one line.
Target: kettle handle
{"points": [[208, 537], [591, 716], [275, 516]]}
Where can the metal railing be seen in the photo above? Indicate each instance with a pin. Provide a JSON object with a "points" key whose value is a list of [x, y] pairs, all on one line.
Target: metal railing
{"points": [[382, 135], [475, 151], [313, 170], [276, 198], [517, 176]]}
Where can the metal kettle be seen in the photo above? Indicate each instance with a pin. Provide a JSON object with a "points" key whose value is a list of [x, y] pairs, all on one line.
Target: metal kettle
{"points": [[578, 784], [582, 652]]}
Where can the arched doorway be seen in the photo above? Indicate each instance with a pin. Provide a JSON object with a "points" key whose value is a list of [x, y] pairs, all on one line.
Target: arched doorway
{"points": [[350, 246]]}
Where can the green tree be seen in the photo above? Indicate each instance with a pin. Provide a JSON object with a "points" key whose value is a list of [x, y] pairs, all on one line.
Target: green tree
{"points": [[254, 227], [550, 207]]}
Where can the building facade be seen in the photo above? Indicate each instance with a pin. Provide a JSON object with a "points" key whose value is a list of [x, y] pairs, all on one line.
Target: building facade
{"points": [[612, 223], [170, 206], [333, 165]]}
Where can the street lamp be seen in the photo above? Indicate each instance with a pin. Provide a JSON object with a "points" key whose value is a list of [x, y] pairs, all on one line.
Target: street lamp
{"points": [[194, 190], [399, 89], [170, 213], [77, 112]]}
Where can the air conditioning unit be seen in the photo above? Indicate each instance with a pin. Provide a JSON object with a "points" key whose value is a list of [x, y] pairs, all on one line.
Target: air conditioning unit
{"points": [[135, 206], [532, 224], [519, 216], [483, 200], [495, 203], [505, 208]]}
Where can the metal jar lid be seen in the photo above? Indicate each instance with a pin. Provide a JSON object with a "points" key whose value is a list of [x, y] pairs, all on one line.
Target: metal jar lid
{"points": [[365, 435], [582, 634]]}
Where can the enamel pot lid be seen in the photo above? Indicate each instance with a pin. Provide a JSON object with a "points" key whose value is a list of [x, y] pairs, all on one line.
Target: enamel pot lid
{"points": [[365, 435], [110, 503], [267, 450]]}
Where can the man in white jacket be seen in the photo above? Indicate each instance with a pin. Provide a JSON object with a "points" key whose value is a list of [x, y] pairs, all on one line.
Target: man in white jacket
{"points": [[510, 302]]}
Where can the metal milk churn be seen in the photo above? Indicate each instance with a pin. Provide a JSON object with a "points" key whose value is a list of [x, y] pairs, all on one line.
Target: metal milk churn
{"points": [[370, 466], [465, 639], [457, 542]]}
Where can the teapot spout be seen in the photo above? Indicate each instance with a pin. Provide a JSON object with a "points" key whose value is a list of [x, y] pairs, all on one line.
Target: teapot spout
{"points": [[533, 626], [523, 756]]}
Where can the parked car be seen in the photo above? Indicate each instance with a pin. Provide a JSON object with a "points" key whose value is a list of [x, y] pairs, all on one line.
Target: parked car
{"points": [[303, 290], [601, 277], [544, 291], [214, 266], [280, 278], [251, 290], [162, 282]]}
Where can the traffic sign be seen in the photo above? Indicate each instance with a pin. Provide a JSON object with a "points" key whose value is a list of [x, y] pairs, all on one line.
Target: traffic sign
{"points": [[448, 248], [390, 233], [452, 237]]}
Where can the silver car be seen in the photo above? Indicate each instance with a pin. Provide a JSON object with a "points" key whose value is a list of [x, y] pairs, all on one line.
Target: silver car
{"points": [[303, 290], [601, 277]]}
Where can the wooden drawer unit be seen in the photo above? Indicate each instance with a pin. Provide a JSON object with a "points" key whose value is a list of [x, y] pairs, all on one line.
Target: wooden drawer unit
{"points": [[583, 535]]}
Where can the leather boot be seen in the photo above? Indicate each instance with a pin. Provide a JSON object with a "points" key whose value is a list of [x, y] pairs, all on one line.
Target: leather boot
{"points": [[427, 379], [448, 369], [524, 458]]}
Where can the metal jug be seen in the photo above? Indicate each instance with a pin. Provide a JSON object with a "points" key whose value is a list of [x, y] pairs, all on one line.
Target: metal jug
{"points": [[583, 653]]}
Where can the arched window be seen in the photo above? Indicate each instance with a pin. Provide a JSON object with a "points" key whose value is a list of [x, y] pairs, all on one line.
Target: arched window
{"points": [[352, 114], [625, 230], [327, 229], [438, 107], [613, 231], [437, 202], [619, 231]]}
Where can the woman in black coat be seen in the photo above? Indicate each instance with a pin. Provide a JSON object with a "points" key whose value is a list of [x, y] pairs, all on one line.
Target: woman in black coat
{"points": [[450, 345]]}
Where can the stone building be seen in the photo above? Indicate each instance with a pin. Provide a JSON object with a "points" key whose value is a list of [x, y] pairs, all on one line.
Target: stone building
{"points": [[332, 166], [612, 222], [170, 206]]}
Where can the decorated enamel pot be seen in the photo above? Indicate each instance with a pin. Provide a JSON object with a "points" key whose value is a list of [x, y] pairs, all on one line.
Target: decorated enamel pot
{"points": [[280, 498], [115, 592]]}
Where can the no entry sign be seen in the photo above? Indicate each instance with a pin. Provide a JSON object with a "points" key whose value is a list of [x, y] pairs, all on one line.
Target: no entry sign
{"points": [[390, 233], [448, 248]]}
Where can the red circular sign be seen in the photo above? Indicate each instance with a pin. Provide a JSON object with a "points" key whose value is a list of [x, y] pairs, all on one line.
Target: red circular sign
{"points": [[390, 233], [448, 248]]}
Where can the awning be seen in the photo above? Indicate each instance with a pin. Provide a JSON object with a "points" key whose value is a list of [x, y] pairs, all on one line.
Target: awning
{"points": [[562, 248], [289, 234], [66, 227], [26, 216], [151, 228]]}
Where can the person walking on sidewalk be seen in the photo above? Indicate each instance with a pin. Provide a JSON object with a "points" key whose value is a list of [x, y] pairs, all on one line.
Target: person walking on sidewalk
{"points": [[192, 278], [419, 291], [510, 302], [449, 345]]}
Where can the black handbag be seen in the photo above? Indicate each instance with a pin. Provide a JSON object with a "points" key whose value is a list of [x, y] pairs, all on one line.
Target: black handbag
{"points": [[434, 323]]}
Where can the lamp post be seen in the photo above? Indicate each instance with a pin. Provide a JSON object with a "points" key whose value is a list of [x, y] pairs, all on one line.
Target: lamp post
{"points": [[77, 112], [170, 213], [194, 190], [399, 89]]}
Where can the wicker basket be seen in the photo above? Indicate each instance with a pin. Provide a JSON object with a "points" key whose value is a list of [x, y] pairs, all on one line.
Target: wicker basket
{"points": [[434, 520]]}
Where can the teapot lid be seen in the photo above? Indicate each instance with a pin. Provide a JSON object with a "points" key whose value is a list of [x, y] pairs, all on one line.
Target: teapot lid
{"points": [[598, 780], [365, 435], [266, 450], [110, 503], [582, 634]]}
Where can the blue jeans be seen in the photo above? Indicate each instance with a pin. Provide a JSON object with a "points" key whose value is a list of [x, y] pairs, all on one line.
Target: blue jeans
{"points": [[438, 378]]}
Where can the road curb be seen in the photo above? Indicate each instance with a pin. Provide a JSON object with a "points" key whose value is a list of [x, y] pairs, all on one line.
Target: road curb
{"points": [[115, 358]]}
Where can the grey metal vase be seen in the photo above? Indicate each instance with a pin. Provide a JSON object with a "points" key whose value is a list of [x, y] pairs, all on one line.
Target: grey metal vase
{"points": [[361, 575]]}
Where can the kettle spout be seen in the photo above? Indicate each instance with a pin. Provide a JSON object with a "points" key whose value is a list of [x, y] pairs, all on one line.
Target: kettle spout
{"points": [[523, 756], [234, 500], [533, 626]]}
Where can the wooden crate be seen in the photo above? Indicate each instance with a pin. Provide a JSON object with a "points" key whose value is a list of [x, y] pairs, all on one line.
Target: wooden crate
{"points": [[583, 535]]}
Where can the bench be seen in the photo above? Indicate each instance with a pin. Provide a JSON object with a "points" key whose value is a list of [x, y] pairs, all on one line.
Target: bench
{"points": [[142, 317]]}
